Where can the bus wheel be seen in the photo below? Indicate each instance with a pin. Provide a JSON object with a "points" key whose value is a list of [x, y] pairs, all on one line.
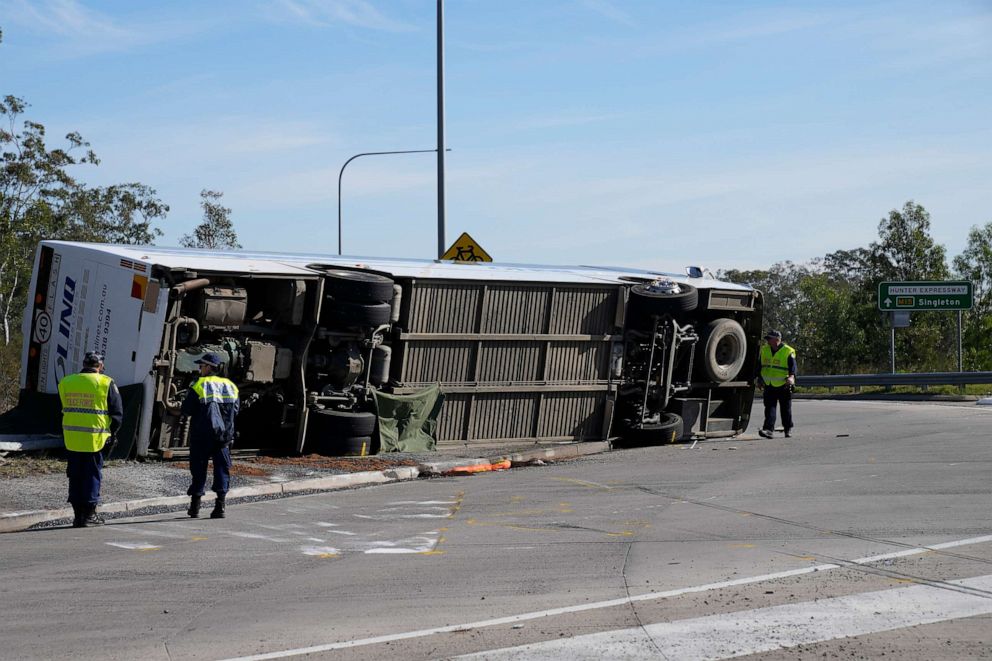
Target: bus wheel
{"points": [[662, 433], [344, 424], [347, 314], [358, 286], [725, 349]]}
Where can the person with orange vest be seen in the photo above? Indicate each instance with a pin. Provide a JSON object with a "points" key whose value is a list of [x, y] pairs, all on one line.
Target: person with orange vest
{"points": [[92, 412], [212, 405], [778, 378]]}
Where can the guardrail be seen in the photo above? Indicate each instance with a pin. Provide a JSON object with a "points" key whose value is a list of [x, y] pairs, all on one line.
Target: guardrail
{"points": [[898, 379]]}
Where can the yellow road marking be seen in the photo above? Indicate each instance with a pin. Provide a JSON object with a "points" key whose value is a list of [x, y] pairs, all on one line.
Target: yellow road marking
{"points": [[583, 483]]}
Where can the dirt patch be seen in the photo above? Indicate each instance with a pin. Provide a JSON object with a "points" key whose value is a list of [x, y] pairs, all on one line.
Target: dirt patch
{"points": [[343, 464], [27, 466], [237, 468]]}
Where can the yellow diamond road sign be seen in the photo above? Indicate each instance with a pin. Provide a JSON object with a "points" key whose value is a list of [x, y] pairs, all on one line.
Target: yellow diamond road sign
{"points": [[466, 249]]}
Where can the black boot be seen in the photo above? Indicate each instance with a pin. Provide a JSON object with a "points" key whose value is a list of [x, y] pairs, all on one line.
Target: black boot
{"points": [[77, 516], [92, 517], [194, 507], [218, 512]]}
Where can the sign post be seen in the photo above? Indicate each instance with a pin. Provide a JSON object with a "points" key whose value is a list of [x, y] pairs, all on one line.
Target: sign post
{"points": [[935, 296]]}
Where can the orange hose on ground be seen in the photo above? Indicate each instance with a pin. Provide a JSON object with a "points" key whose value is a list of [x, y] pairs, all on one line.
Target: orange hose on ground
{"points": [[479, 468]]}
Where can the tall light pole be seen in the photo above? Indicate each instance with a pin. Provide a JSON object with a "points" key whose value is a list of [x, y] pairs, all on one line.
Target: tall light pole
{"points": [[440, 128], [368, 153]]}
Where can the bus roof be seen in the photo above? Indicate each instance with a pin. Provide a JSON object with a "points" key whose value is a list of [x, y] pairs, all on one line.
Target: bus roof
{"points": [[274, 263]]}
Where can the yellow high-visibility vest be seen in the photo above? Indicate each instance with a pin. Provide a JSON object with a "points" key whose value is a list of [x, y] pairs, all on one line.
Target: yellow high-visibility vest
{"points": [[85, 418], [215, 389], [775, 366]]}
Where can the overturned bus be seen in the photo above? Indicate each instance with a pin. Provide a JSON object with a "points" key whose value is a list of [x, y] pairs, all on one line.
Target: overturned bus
{"points": [[517, 353]]}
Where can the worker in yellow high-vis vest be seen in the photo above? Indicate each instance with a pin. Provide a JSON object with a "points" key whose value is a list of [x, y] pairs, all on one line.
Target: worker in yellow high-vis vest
{"points": [[212, 405], [92, 412], [778, 378]]}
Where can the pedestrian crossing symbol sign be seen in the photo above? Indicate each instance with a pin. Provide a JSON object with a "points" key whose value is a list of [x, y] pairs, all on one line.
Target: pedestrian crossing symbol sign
{"points": [[466, 249]]}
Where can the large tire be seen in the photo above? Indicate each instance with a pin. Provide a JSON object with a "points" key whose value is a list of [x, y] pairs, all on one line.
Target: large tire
{"points": [[354, 446], [343, 424], [347, 314], [665, 432], [358, 286], [651, 301], [724, 350]]}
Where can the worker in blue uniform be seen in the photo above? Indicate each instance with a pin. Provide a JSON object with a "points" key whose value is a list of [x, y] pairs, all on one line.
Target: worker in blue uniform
{"points": [[212, 405], [92, 412]]}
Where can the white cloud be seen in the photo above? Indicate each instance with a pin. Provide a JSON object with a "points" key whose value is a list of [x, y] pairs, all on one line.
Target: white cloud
{"points": [[610, 11], [323, 13], [70, 20], [80, 31]]}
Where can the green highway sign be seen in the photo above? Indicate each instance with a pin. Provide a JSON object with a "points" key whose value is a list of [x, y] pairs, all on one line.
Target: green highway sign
{"points": [[939, 296]]}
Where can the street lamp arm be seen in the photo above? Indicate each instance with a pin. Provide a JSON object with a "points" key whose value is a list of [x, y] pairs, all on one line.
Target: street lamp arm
{"points": [[369, 153]]}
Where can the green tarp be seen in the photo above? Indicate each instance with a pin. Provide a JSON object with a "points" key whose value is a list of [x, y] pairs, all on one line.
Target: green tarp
{"points": [[408, 423]]}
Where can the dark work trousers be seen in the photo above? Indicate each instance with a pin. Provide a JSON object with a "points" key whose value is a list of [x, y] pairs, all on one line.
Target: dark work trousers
{"points": [[198, 458], [781, 395], [84, 471]]}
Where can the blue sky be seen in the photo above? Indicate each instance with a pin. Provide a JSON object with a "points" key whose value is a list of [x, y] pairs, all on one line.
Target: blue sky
{"points": [[640, 133]]}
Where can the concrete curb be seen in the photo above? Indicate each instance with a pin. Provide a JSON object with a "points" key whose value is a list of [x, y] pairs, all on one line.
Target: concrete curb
{"points": [[16, 521]]}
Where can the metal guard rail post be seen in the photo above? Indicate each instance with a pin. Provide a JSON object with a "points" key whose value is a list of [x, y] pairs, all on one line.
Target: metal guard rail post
{"points": [[918, 379]]}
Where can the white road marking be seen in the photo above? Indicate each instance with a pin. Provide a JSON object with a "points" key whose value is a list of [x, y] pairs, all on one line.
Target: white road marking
{"points": [[393, 517], [730, 635], [134, 546], [325, 524], [423, 502], [153, 533], [251, 535], [513, 619], [339, 532], [319, 550], [410, 545]]}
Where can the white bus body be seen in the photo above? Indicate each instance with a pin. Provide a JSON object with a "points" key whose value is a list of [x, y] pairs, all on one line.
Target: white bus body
{"points": [[520, 352]]}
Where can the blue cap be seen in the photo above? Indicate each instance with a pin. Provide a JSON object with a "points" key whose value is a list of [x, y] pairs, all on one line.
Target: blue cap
{"points": [[211, 359], [773, 333], [92, 359]]}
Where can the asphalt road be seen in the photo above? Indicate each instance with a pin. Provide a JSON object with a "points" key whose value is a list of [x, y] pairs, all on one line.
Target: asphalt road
{"points": [[868, 533]]}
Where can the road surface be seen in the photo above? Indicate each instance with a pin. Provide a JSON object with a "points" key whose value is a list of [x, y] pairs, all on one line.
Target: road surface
{"points": [[867, 533]]}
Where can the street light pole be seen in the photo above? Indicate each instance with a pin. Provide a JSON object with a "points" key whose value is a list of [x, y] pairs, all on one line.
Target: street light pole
{"points": [[440, 129], [368, 153]]}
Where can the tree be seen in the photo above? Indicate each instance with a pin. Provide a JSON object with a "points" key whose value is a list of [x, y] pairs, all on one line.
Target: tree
{"points": [[905, 250], [781, 294], [39, 199], [216, 231], [975, 264]]}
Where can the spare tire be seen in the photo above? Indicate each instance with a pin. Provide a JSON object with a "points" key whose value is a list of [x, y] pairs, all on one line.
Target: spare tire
{"points": [[652, 299], [724, 350], [358, 286]]}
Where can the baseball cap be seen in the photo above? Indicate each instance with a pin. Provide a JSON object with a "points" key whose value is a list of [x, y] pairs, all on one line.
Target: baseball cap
{"points": [[773, 333], [211, 359], [92, 359]]}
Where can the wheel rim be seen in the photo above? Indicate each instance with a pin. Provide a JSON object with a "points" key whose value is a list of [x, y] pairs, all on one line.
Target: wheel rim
{"points": [[727, 351]]}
